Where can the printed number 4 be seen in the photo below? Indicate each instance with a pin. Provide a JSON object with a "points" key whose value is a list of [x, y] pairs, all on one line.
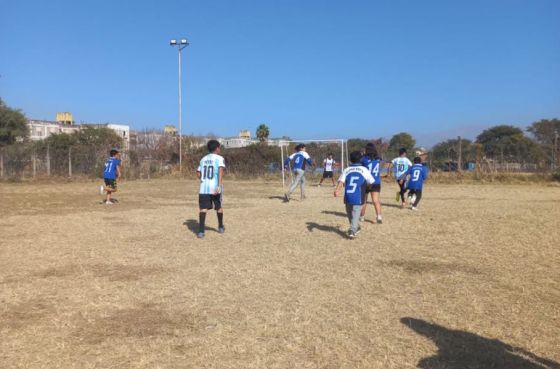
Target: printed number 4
{"points": [[352, 184]]}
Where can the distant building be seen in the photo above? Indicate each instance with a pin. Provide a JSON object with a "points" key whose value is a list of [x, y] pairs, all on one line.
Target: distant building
{"points": [[236, 142], [65, 118], [41, 129], [245, 134], [123, 131], [170, 130]]}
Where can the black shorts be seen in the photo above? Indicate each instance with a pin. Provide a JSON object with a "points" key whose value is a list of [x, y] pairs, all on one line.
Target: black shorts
{"points": [[374, 188], [111, 184], [209, 202], [328, 174]]}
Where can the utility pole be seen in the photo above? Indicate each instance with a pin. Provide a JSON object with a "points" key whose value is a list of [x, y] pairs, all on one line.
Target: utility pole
{"points": [[460, 157]]}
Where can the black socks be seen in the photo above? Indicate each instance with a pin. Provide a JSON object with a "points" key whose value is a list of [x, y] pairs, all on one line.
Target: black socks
{"points": [[220, 219], [202, 220]]}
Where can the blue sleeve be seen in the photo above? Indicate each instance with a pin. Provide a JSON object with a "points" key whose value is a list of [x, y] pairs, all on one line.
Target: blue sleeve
{"points": [[309, 161], [287, 162]]}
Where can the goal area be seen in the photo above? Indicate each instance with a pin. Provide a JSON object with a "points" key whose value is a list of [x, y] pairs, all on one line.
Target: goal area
{"points": [[318, 151]]}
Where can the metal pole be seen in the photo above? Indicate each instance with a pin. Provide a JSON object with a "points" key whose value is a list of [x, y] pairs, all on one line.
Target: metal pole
{"points": [[69, 162], [341, 155], [34, 159], [459, 166], [48, 160], [180, 118], [282, 166]]}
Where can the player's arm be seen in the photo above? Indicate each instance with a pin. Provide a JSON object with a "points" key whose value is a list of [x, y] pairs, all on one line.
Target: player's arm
{"points": [[220, 180], [118, 171], [340, 184], [198, 173]]}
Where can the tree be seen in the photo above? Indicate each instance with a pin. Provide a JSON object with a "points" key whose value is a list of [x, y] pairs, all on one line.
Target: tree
{"points": [[545, 130], [508, 142], [13, 125], [263, 132], [448, 151], [401, 140]]}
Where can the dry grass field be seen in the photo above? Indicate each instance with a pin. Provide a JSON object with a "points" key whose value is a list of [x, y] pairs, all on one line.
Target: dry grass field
{"points": [[471, 280]]}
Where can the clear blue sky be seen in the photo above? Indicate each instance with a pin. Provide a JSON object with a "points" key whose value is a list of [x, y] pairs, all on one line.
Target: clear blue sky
{"points": [[308, 69]]}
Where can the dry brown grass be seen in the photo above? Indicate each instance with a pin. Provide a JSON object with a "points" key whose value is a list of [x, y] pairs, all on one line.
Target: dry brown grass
{"points": [[469, 281]]}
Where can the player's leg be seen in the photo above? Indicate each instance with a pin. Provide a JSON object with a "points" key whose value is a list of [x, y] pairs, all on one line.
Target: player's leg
{"points": [[364, 206], [332, 179], [377, 205], [217, 199], [417, 201], [402, 192], [353, 212], [204, 204], [296, 177], [302, 185]]}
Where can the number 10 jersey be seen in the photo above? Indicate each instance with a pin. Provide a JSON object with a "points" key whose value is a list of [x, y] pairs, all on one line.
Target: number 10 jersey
{"points": [[209, 169]]}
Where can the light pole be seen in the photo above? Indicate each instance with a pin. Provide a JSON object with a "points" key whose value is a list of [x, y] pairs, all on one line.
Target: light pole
{"points": [[181, 44]]}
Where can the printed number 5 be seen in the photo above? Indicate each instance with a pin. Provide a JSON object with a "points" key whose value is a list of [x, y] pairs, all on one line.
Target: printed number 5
{"points": [[353, 185]]}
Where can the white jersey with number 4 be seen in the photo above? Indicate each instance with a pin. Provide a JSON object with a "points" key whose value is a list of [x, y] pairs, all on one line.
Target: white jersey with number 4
{"points": [[209, 169], [329, 164]]}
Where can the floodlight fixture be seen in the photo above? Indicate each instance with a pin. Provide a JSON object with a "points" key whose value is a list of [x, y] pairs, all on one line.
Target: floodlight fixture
{"points": [[173, 42]]}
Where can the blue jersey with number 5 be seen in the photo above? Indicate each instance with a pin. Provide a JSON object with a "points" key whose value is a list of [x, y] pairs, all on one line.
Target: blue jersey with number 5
{"points": [[418, 174], [356, 178], [110, 171]]}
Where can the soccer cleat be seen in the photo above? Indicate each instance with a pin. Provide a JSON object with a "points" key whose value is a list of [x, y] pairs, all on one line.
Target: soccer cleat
{"points": [[200, 235], [398, 196], [101, 190], [362, 218], [221, 230]]}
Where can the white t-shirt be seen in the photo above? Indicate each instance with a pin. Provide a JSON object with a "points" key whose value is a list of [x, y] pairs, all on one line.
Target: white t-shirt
{"points": [[209, 169], [329, 164], [400, 166]]}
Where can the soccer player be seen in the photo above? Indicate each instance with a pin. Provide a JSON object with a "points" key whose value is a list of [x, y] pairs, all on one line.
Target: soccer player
{"points": [[417, 175], [372, 161], [111, 174], [400, 166], [300, 158], [355, 179], [211, 172], [328, 165]]}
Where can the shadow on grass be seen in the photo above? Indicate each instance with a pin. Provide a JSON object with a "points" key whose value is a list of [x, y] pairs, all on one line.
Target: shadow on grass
{"points": [[192, 225], [311, 226], [398, 206], [276, 198], [460, 349], [341, 214]]}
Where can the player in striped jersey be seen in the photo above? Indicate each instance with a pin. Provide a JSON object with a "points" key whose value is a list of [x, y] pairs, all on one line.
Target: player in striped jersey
{"points": [[210, 172], [355, 179], [400, 166]]}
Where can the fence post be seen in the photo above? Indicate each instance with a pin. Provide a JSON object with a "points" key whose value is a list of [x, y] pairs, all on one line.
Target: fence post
{"points": [[34, 161], [2, 163], [69, 162], [48, 160]]}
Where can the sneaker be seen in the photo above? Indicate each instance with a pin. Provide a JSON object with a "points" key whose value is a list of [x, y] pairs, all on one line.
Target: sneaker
{"points": [[398, 196], [358, 231], [362, 219], [379, 220], [351, 235], [221, 230], [413, 208], [101, 190], [109, 202], [412, 199], [319, 185], [200, 235], [286, 198]]}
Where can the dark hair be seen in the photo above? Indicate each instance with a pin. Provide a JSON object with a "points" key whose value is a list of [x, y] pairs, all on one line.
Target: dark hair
{"points": [[402, 151], [113, 152], [330, 154], [371, 151], [417, 160], [213, 145], [300, 147], [355, 157]]}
